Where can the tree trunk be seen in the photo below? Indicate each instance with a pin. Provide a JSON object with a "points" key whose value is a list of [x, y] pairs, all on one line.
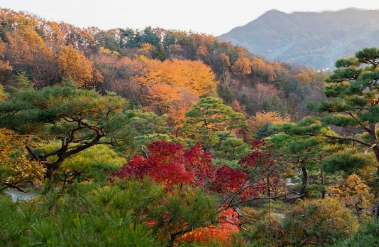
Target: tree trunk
{"points": [[304, 181], [376, 210], [376, 152], [323, 192]]}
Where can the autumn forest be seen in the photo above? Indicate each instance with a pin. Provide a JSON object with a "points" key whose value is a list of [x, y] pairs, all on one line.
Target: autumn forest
{"points": [[159, 137]]}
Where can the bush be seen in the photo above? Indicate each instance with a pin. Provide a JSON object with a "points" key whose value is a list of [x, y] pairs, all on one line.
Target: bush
{"points": [[318, 222], [367, 235]]}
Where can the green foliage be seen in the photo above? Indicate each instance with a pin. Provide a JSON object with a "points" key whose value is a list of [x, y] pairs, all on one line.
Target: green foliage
{"points": [[232, 148], [348, 160], [3, 95], [95, 162], [27, 110], [133, 130], [320, 222], [340, 120], [69, 82], [211, 115], [182, 211], [128, 213], [75, 116], [352, 92], [366, 236], [370, 115], [18, 82]]}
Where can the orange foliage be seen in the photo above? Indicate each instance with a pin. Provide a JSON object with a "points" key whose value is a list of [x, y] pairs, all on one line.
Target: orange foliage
{"points": [[262, 118], [258, 64], [162, 96], [4, 65], [73, 63], [194, 76], [146, 50], [242, 67], [227, 227], [172, 87], [23, 45], [305, 76]]}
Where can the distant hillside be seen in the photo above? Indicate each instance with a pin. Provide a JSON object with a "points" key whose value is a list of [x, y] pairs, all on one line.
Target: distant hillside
{"points": [[311, 39]]}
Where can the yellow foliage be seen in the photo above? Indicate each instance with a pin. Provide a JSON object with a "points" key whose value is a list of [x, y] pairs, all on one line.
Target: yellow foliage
{"points": [[4, 65], [108, 52], [24, 45], [73, 63], [172, 87], [194, 76], [242, 67], [3, 95], [305, 76], [15, 169], [145, 50], [262, 118], [353, 192]]}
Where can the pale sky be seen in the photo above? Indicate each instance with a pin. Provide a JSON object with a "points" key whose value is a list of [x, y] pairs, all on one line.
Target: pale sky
{"points": [[202, 16]]}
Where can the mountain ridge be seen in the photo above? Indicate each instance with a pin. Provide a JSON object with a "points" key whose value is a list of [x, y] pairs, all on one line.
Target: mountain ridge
{"points": [[312, 39]]}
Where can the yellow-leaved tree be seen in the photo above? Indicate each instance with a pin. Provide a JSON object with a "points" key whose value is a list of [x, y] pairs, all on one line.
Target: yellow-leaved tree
{"points": [[73, 63], [354, 193], [16, 171], [172, 87]]}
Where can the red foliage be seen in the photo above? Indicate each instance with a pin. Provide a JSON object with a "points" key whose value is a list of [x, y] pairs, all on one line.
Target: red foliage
{"points": [[200, 162], [260, 161], [165, 164], [258, 156], [137, 168], [228, 180]]}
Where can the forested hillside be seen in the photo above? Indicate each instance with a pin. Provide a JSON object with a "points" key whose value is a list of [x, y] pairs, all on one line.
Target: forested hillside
{"points": [[123, 60], [165, 138]]}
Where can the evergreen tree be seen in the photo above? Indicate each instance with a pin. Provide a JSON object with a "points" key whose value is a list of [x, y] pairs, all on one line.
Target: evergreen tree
{"points": [[352, 92], [75, 117], [209, 116]]}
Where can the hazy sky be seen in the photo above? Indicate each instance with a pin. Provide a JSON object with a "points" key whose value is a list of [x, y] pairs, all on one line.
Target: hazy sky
{"points": [[203, 16]]}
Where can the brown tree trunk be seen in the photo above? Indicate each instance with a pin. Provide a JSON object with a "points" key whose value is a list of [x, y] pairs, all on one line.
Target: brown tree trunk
{"points": [[323, 192], [304, 181], [376, 152]]}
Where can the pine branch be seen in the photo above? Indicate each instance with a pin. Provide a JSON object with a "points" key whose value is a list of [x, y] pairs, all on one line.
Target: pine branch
{"points": [[347, 139]]}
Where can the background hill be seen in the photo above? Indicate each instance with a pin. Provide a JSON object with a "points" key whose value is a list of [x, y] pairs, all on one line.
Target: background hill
{"points": [[311, 39], [151, 67]]}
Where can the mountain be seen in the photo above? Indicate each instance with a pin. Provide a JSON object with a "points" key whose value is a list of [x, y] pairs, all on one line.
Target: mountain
{"points": [[312, 39]]}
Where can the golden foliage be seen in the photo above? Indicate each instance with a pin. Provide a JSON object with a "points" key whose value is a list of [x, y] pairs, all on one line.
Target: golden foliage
{"points": [[15, 169], [73, 63], [194, 76], [305, 76], [242, 67], [3, 95], [261, 118], [353, 192], [4, 65]]}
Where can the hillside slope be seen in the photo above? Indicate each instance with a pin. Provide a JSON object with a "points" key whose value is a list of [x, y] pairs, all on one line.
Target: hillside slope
{"points": [[312, 39]]}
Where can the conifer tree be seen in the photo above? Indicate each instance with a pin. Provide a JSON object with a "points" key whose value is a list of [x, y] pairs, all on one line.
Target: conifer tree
{"points": [[352, 92], [76, 117]]}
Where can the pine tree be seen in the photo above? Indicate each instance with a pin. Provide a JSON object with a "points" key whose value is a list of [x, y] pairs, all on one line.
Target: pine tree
{"points": [[352, 92]]}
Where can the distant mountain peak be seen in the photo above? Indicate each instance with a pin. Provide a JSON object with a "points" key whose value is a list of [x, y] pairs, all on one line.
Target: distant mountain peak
{"points": [[313, 39]]}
